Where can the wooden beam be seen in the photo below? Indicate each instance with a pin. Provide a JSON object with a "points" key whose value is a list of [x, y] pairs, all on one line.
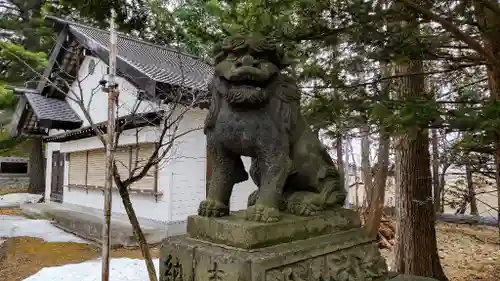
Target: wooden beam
{"points": [[19, 116], [53, 57]]}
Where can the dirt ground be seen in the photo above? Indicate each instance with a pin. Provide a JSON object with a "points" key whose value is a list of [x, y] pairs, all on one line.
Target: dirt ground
{"points": [[4, 190], [468, 253], [11, 212], [27, 255]]}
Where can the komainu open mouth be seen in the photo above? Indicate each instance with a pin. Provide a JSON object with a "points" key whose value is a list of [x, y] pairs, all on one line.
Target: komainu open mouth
{"points": [[253, 77], [246, 94]]}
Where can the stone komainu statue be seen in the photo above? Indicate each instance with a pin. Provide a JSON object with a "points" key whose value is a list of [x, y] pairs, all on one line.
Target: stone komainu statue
{"points": [[255, 112]]}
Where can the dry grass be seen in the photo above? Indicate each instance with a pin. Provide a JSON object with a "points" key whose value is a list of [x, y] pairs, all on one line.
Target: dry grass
{"points": [[6, 190], [468, 253], [11, 212], [27, 255]]}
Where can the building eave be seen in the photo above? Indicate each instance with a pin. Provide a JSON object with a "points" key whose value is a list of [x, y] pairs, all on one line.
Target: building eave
{"points": [[123, 123], [29, 119]]}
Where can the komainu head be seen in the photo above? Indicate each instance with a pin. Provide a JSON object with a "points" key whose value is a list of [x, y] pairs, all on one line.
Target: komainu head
{"points": [[247, 64]]}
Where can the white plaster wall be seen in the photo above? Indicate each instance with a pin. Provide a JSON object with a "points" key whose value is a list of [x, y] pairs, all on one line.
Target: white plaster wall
{"points": [[186, 172], [88, 90], [184, 168], [242, 190]]}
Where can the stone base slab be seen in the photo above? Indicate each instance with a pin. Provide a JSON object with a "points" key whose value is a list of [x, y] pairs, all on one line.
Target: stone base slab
{"points": [[235, 231], [88, 224], [342, 256]]}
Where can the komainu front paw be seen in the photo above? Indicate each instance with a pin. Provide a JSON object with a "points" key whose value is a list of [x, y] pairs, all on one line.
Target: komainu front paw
{"points": [[213, 208], [262, 213]]}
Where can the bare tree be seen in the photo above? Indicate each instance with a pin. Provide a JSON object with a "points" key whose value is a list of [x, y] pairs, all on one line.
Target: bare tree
{"points": [[378, 182], [169, 115], [169, 133]]}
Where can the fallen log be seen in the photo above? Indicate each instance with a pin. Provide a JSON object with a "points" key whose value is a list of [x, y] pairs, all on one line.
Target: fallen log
{"points": [[386, 231], [384, 243], [468, 219]]}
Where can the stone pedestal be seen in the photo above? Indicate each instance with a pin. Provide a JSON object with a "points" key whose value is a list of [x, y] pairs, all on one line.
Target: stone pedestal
{"points": [[327, 247], [237, 232]]}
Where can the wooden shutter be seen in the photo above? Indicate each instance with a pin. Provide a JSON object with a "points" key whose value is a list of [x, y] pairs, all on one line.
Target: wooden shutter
{"points": [[140, 156], [122, 160], [96, 167], [77, 168]]}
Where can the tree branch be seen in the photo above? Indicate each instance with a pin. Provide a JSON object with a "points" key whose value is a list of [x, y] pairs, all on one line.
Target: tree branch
{"points": [[450, 27], [492, 6]]}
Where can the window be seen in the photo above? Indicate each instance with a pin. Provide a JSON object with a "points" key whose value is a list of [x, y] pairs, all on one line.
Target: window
{"points": [[14, 168], [92, 66], [86, 168]]}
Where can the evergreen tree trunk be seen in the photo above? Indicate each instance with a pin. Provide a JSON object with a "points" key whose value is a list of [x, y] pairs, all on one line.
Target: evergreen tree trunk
{"points": [[435, 172], [340, 158], [471, 192], [30, 11], [376, 207], [379, 182], [37, 165], [489, 23], [366, 168], [442, 183], [416, 246]]}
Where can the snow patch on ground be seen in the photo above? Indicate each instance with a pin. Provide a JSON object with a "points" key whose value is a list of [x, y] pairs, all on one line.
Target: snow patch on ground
{"points": [[123, 269], [13, 200], [15, 226]]}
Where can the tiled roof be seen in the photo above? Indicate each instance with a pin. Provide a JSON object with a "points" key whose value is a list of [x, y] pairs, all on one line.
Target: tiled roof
{"points": [[159, 63], [34, 110], [51, 108], [156, 63]]}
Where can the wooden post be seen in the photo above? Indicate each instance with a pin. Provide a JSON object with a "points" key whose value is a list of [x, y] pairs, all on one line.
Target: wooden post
{"points": [[346, 174], [112, 91]]}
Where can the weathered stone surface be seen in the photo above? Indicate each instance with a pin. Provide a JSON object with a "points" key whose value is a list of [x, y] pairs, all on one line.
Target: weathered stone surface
{"points": [[87, 223], [255, 112], [404, 277], [343, 256], [235, 231], [14, 181]]}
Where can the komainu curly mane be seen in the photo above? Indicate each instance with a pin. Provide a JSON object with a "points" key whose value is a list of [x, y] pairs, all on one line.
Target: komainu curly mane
{"points": [[283, 102]]}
